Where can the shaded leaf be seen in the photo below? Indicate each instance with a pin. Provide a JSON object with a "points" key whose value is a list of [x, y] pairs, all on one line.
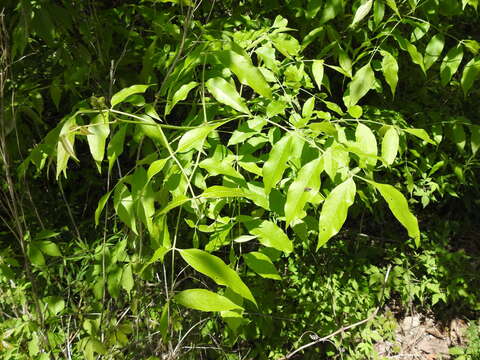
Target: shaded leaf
{"points": [[399, 207]]}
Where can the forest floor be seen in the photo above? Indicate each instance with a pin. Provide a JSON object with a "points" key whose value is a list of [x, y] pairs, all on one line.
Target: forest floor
{"points": [[421, 337]]}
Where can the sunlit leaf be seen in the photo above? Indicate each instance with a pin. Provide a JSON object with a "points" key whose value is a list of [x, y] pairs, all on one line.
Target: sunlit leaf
{"points": [[180, 95], [204, 300], [214, 267], [434, 50], [286, 44], [420, 133], [362, 82], [261, 264], [334, 210], [362, 12], [277, 163], [65, 147], [240, 64], [125, 93], [302, 190], [193, 139], [390, 145], [367, 143], [225, 93], [97, 137], [115, 146], [318, 70], [475, 138], [450, 64], [269, 234], [470, 74], [390, 70]]}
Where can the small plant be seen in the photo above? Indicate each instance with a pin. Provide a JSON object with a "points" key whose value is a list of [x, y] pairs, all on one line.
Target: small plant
{"points": [[472, 351]]}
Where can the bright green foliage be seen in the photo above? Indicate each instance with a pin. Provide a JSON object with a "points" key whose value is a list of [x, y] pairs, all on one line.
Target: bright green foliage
{"points": [[282, 124], [334, 210], [200, 299]]}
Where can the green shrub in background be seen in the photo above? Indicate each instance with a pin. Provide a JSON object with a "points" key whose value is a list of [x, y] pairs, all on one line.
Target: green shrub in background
{"points": [[230, 142]]}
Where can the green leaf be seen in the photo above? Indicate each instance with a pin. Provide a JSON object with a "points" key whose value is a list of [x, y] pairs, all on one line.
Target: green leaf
{"points": [[101, 205], [155, 167], [286, 44], [277, 163], [125, 93], [204, 300], [215, 192], [450, 64], [420, 133], [225, 93], [124, 206], [458, 136], [355, 111], [262, 265], [216, 167], [127, 278], [475, 138], [48, 248], [390, 145], [115, 146], [390, 70], [470, 74], [35, 255], [213, 267], [180, 95], [65, 145], [334, 210], [55, 304], [99, 130], [152, 129], [303, 189], [362, 12], [362, 82], [434, 50], [392, 5], [269, 234], [163, 326], [193, 139], [240, 64], [367, 144], [318, 71], [399, 207], [308, 107]]}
